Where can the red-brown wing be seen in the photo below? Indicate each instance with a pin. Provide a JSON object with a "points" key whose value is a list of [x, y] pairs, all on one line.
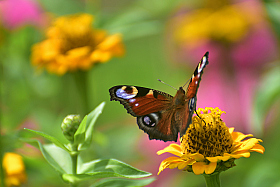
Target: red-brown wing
{"points": [[139, 101], [190, 105], [160, 125], [153, 110], [196, 77]]}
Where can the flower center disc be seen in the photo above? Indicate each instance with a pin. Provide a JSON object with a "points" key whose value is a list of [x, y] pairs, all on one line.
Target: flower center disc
{"points": [[210, 139]]}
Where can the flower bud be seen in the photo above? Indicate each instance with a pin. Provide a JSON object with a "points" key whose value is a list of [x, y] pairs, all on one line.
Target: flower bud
{"points": [[70, 125]]}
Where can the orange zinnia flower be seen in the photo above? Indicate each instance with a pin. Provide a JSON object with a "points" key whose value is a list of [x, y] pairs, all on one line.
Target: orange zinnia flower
{"points": [[72, 44], [209, 145]]}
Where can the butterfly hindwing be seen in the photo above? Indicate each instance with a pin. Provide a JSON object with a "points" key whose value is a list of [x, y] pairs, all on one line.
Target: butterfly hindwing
{"points": [[151, 109]]}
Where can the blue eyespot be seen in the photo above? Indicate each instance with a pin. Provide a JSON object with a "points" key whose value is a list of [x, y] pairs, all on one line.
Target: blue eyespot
{"points": [[120, 93]]}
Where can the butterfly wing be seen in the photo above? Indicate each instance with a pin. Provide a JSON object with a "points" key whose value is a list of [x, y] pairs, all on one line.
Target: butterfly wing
{"points": [[152, 109], [159, 114], [191, 94]]}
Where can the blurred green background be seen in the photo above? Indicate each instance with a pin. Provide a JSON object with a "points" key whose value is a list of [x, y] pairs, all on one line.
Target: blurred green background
{"points": [[163, 40]]}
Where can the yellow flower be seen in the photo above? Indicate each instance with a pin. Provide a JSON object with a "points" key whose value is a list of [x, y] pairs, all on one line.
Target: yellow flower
{"points": [[72, 44], [209, 145], [14, 169], [227, 23]]}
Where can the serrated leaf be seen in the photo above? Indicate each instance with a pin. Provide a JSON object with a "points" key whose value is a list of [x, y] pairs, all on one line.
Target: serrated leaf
{"points": [[58, 158], [91, 119], [50, 138], [79, 136], [111, 166], [120, 182]]}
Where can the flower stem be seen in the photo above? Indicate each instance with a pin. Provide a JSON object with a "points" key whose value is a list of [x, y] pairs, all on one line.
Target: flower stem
{"points": [[74, 159], [2, 177], [81, 81], [212, 180]]}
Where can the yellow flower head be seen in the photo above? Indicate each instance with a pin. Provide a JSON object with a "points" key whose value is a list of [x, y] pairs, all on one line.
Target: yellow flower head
{"points": [[14, 169], [209, 145], [227, 23], [72, 44]]}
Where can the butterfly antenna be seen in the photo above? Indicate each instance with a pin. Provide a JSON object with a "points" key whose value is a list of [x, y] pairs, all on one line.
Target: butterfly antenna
{"points": [[167, 84], [186, 83], [200, 117]]}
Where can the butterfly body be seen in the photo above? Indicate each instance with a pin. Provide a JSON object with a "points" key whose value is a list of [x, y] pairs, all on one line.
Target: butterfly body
{"points": [[159, 114]]}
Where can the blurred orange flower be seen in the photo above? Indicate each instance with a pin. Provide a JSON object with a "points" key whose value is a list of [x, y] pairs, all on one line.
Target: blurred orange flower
{"points": [[72, 44], [209, 145], [14, 169]]}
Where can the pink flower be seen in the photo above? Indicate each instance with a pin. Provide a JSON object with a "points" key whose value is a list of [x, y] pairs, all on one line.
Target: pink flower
{"points": [[17, 13], [230, 80]]}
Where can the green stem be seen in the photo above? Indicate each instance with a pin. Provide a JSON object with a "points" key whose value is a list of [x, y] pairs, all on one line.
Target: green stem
{"points": [[74, 159], [81, 81], [212, 180], [2, 175]]}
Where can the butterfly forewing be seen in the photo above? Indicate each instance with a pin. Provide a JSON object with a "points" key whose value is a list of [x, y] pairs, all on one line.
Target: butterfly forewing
{"points": [[196, 77], [140, 101]]}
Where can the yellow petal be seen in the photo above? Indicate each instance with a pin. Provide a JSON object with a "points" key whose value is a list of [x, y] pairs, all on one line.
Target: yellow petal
{"points": [[258, 148], [182, 165], [248, 144], [210, 168], [198, 168], [238, 136], [173, 165], [78, 52], [240, 154], [217, 158], [100, 56], [110, 42], [198, 157], [173, 149]]}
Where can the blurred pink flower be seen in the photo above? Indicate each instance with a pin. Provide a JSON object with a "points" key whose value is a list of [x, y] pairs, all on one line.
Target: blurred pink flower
{"points": [[17, 13], [234, 69]]}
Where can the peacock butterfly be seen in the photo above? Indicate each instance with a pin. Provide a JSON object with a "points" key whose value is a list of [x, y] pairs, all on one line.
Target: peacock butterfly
{"points": [[159, 114]]}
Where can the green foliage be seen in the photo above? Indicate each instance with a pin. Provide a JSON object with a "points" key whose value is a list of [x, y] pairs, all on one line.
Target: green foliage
{"points": [[66, 160], [273, 11], [267, 95], [39, 100]]}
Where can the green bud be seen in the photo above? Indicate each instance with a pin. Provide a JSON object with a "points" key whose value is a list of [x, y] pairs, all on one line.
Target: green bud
{"points": [[70, 125]]}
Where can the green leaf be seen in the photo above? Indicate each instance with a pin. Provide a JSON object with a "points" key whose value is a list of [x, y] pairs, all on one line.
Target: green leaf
{"points": [[131, 22], [58, 158], [273, 11], [79, 136], [91, 119], [267, 95], [111, 167], [119, 182], [50, 138]]}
